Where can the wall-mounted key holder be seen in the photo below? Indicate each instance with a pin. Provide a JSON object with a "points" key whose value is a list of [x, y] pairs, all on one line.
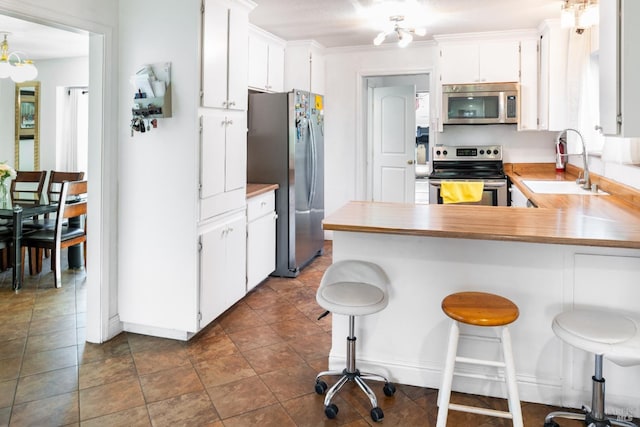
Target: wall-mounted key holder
{"points": [[151, 96]]}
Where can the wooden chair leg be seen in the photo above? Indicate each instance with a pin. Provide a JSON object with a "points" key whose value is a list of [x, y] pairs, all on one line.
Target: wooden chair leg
{"points": [[39, 256], [32, 261], [3, 259]]}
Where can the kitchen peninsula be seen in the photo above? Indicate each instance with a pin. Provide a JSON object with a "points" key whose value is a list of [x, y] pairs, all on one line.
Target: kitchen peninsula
{"points": [[545, 260]]}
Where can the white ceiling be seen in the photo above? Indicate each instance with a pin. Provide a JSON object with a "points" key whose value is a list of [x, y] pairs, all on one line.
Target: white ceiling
{"points": [[335, 23], [332, 23], [35, 41]]}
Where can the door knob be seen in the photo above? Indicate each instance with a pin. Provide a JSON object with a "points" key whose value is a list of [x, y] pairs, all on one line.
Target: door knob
{"points": [[409, 162]]}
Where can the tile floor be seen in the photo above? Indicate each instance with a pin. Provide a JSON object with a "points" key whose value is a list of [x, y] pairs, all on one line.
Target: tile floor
{"points": [[255, 365]]}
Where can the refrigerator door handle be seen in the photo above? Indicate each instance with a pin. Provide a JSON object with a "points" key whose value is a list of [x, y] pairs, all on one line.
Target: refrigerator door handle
{"points": [[314, 165]]}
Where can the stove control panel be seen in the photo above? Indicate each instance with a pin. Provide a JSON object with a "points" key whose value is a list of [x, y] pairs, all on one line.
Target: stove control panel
{"points": [[480, 152]]}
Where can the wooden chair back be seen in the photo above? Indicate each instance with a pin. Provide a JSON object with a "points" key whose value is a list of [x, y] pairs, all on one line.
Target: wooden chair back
{"points": [[72, 203], [56, 178], [27, 187]]}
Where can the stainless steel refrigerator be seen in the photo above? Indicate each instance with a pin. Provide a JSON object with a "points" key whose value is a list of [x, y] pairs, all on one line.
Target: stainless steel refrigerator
{"points": [[286, 146]]}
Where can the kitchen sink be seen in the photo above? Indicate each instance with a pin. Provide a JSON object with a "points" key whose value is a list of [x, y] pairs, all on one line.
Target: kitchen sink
{"points": [[560, 187]]}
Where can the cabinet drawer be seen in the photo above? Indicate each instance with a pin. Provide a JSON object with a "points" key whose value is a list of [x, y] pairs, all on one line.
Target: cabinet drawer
{"points": [[260, 205]]}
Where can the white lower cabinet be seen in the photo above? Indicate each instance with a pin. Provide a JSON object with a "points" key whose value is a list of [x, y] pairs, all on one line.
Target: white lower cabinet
{"points": [[222, 265], [518, 199], [261, 238]]}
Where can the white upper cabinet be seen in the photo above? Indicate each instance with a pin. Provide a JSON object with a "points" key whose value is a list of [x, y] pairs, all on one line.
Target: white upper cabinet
{"points": [[225, 34], [223, 157], [552, 98], [619, 62], [528, 119], [304, 67], [266, 61], [484, 61]]}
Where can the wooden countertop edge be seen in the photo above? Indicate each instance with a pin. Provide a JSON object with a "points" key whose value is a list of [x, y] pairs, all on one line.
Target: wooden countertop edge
{"points": [[254, 190], [483, 236]]}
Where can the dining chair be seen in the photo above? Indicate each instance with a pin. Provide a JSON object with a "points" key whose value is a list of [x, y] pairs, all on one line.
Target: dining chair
{"points": [[26, 187], [72, 204], [54, 186]]}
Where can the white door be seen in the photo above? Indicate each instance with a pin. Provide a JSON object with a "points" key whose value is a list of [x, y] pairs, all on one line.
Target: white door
{"points": [[394, 142]]}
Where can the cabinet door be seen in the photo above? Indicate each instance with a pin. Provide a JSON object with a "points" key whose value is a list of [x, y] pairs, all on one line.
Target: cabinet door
{"points": [[212, 155], [238, 58], [528, 85], [552, 100], [459, 63], [261, 249], [276, 68], [258, 63], [235, 168], [234, 287], [499, 61], [214, 54], [222, 266], [212, 273], [518, 199]]}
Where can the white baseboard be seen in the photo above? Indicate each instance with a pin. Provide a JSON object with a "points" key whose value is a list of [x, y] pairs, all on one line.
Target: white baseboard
{"points": [[156, 332]]}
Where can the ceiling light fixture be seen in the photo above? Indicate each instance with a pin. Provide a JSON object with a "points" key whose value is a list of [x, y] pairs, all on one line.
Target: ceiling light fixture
{"points": [[579, 14], [405, 35], [11, 65]]}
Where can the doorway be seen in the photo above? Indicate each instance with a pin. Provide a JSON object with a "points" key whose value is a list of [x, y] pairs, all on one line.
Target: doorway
{"points": [[102, 160], [397, 137]]}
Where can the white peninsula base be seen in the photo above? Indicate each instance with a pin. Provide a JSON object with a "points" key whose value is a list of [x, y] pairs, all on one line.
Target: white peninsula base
{"points": [[407, 341]]}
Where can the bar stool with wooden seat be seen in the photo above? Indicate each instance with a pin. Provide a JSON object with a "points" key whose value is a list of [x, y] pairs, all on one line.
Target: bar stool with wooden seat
{"points": [[483, 310], [353, 288]]}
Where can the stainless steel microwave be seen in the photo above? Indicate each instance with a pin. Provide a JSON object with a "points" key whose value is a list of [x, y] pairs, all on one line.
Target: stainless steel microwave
{"points": [[480, 103]]}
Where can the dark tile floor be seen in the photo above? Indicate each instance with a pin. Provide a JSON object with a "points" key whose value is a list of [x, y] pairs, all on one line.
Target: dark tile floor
{"points": [[255, 365]]}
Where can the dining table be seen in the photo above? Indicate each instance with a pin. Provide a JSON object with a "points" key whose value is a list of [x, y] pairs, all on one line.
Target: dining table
{"points": [[16, 214]]}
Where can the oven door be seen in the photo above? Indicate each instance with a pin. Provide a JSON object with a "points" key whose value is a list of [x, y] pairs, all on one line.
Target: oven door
{"points": [[494, 192]]}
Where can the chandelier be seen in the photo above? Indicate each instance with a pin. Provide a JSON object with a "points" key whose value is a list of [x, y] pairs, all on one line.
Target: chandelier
{"points": [[404, 35], [11, 65], [579, 14]]}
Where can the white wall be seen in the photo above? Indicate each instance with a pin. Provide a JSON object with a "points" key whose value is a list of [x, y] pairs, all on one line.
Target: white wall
{"points": [[344, 137], [53, 74], [8, 123], [158, 169]]}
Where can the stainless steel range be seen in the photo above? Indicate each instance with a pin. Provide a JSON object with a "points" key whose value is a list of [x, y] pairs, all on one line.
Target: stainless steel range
{"points": [[470, 163]]}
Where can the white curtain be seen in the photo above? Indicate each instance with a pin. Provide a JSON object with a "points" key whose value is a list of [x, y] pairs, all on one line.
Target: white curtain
{"points": [[73, 147]]}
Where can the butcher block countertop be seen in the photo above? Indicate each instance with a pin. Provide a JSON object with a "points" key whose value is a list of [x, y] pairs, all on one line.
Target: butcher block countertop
{"points": [[605, 221], [254, 190]]}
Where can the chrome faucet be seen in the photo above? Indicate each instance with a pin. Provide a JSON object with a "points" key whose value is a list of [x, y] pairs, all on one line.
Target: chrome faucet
{"points": [[584, 182]]}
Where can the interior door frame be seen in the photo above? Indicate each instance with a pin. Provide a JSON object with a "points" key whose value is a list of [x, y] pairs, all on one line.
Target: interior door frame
{"points": [[364, 144], [102, 321]]}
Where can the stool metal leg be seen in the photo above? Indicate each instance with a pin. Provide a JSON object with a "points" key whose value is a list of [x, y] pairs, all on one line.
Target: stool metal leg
{"points": [[595, 415], [351, 373], [510, 376], [447, 376]]}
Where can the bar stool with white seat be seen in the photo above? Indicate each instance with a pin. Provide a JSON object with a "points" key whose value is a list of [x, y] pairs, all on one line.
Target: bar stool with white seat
{"points": [[606, 334], [485, 310], [353, 288]]}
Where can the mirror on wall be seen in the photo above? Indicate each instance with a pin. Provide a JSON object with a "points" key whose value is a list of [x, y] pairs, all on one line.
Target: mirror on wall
{"points": [[27, 141]]}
